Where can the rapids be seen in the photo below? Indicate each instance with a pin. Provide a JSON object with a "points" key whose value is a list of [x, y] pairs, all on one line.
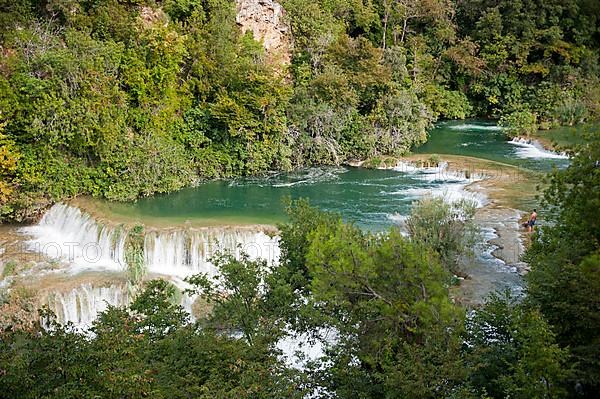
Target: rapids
{"points": [[184, 229]]}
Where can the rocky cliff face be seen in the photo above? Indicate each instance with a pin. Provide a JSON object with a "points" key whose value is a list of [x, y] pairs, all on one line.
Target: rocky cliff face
{"points": [[264, 18]]}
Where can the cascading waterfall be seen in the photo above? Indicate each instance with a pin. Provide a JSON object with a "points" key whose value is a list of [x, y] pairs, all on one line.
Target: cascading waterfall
{"points": [[74, 237], [81, 305], [66, 233], [454, 183], [181, 253], [71, 235], [533, 149]]}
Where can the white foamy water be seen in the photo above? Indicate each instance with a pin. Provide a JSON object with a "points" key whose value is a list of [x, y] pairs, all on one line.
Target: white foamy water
{"points": [[455, 192], [400, 222], [67, 234], [471, 126], [299, 178], [486, 249], [450, 192], [82, 305], [74, 237], [533, 149], [442, 182], [187, 299], [297, 351], [186, 252], [83, 244], [408, 167], [440, 173], [300, 349], [397, 218]]}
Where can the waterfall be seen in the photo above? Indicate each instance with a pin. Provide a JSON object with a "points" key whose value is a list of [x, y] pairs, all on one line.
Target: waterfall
{"points": [[81, 305], [68, 234], [533, 149], [185, 252], [442, 182], [73, 236]]}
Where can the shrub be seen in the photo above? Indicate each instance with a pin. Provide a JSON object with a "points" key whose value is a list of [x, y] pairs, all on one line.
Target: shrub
{"points": [[519, 123], [10, 268], [571, 112], [446, 228]]}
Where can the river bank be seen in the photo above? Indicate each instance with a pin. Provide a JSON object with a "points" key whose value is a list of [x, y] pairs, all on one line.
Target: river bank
{"points": [[178, 227], [497, 264], [77, 281]]}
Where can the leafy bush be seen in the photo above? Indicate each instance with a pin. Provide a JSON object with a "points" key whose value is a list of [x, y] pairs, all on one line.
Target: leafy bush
{"points": [[519, 123], [434, 160], [134, 257], [571, 112], [447, 228], [447, 104], [10, 268], [513, 351], [565, 255]]}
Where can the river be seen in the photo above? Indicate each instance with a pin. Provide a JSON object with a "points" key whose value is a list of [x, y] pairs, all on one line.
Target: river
{"points": [[85, 239], [371, 198]]}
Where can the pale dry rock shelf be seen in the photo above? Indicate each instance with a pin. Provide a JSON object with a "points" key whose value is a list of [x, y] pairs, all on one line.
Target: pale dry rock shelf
{"points": [[265, 19]]}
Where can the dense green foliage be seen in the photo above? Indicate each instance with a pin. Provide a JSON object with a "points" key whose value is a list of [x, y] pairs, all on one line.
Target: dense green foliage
{"points": [[447, 228], [512, 352], [127, 98], [254, 295], [144, 351], [378, 303], [565, 260], [122, 99], [540, 60], [399, 334]]}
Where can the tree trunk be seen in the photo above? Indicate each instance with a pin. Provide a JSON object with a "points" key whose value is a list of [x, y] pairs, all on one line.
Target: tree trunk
{"points": [[386, 16], [415, 62], [404, 25]]}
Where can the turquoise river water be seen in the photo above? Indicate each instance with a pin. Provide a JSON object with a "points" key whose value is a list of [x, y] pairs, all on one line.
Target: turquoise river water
{"points": [[373, 199], [87, 246]]}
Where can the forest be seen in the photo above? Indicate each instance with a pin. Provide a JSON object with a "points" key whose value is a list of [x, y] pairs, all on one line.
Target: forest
{"points": [[124, 99], [121, 99]]}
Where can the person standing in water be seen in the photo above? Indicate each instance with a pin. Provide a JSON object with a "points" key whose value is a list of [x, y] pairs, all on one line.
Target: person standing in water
{"points": [[531, 221]]}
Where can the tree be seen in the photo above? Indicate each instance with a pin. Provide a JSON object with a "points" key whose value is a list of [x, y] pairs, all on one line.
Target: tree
{"points": [[145, 351], [296, 240], [512, 352], [446, 228], [565, 280], [387, 298], [8, 166], [244, 295]]}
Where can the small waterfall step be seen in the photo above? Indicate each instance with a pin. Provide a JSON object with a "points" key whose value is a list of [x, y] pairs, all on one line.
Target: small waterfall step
{"points": [[73, 236]]}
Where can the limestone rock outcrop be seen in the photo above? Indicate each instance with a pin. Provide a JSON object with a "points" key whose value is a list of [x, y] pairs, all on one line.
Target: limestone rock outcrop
{"points": [[264, 18]]}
